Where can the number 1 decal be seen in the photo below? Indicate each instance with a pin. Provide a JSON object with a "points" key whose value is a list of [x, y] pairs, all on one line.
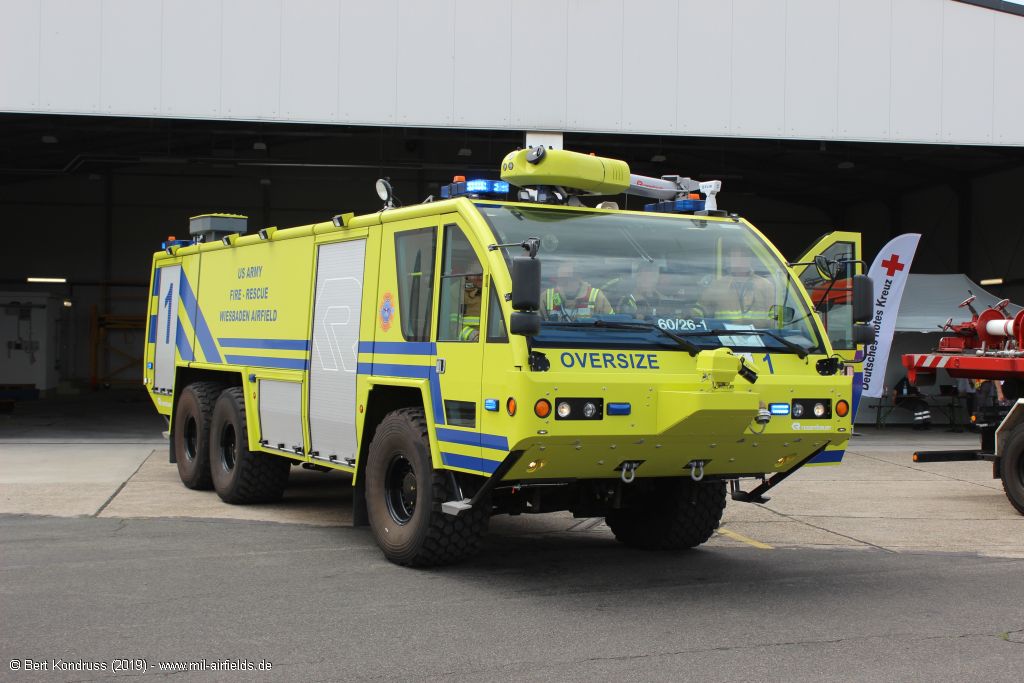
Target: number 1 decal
{"points": [[168, 301], [768, 359]]}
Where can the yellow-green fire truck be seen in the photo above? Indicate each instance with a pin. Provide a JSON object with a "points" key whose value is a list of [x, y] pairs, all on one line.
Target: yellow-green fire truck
{"points": [[507, 349]]}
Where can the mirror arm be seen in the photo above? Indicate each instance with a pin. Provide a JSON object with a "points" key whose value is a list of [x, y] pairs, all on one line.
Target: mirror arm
{"points": [[531, 245]]}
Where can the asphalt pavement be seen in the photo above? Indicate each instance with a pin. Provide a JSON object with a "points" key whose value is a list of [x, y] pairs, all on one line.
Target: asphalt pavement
{"points": [[879, 569], [321, 604]]}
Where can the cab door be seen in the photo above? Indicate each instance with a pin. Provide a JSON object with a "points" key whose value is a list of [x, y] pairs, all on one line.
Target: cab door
{"points": [[459, 349], [833, 299]]}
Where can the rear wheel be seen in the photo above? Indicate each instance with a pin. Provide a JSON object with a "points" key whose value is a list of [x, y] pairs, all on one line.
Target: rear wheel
{"points": [[190, 437], [404, 495], [1011, 469], [674, 514], [240, 475]]}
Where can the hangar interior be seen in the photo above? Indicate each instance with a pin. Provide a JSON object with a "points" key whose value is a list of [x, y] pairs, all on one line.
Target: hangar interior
{"points": [[90, 199]]}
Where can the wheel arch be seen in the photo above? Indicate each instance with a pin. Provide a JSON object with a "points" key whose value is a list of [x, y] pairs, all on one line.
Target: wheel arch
{"points": [[184, 376], [1012, 420], [381, 400]]}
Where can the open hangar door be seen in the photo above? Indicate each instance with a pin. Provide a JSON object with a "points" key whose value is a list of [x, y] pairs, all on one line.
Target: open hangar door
{"points": [[89, 199]]}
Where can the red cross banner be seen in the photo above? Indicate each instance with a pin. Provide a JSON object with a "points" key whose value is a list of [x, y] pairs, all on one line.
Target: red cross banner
{"points": [[889, 274]]}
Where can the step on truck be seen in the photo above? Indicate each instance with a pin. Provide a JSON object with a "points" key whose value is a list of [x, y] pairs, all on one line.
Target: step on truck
{"points": [[508, 348]]}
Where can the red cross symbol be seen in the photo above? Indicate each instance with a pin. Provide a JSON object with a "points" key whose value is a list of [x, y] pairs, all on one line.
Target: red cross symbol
{"points": [[892, 264]]}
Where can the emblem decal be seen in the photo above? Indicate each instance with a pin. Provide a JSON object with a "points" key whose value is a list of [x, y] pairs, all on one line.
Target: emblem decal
{"points": [[387, 312]]}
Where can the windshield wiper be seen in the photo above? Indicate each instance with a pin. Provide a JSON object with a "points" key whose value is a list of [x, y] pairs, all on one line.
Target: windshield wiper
{"points": [[799, 350], [686, 344]]}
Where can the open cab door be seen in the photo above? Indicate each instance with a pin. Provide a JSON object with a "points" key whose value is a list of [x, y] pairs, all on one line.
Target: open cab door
{"points": [[831, 291]]}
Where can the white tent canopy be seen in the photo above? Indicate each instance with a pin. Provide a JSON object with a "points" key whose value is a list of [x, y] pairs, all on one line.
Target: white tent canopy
{"points": [[930, 300]]}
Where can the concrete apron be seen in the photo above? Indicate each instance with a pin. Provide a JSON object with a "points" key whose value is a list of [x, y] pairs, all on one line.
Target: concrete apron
{"points": [[878, 499]]}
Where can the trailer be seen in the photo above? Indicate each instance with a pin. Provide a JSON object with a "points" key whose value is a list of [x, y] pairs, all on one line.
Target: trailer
{"points": [[989, 346]]}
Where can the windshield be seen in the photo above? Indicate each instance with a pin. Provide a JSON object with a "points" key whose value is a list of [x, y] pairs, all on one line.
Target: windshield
{"points": [[714, 282]]}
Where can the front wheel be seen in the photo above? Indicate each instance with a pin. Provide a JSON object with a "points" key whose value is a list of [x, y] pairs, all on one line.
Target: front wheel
{"points": [[674, 514], [1011, 469], [404, 495]]}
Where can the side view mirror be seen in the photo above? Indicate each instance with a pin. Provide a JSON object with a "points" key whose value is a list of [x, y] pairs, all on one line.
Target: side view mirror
{"points": [[863, 334], [784, 314], [525, 323], [525, 284], [863, 293], [824, 267]]}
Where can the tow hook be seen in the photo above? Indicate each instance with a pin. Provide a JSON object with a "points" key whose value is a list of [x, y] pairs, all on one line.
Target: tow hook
{"points": [[628, 470], [696, 469]]}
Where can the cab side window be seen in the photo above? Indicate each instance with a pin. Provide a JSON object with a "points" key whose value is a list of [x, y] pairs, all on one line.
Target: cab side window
{"points": [[833, 300], [496, 331], [414, 253], [461, 289]]}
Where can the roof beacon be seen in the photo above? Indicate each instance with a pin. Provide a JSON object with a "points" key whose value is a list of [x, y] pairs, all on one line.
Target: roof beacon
{"points": [[473, 188]]}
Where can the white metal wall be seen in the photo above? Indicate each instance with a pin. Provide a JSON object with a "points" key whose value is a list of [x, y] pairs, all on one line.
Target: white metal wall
{"points": [[885, 70]]}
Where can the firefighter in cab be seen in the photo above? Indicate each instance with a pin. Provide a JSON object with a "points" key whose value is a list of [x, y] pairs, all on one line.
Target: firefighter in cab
{"points": [[572, 298], [461, 293], [740, 295]]}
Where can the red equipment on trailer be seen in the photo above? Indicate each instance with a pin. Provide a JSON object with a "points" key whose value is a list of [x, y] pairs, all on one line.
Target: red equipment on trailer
{"points": [[988, 346]]}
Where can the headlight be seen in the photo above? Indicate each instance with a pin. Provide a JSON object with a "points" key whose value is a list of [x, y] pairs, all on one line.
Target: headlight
{"points": [[564, 409], [819, 410], [588, 410], [798, 410]]}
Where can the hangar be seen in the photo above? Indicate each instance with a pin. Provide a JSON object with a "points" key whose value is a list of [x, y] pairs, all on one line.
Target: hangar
{"points": [[121, 119]]}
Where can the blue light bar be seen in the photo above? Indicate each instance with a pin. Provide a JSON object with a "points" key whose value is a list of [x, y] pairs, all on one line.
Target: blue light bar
{"points": [[488, 186], [676, 206], [491, 404], [618, 409], [779, 408], [474, 187]]}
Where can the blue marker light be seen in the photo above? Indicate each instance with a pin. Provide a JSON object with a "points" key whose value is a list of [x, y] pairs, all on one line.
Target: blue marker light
{"points": [[491, 404], [779, 408], [618, 409]]}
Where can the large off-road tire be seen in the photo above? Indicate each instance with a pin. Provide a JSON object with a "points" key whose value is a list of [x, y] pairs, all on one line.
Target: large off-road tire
{"points": [[676, 513], [404, 495], [240, 475], [1011, 468], [190, 437]]}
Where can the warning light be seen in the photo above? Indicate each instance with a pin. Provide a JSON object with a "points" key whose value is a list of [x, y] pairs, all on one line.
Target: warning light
{"points": [[842, 408], [473, 188], [542, 408]]}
